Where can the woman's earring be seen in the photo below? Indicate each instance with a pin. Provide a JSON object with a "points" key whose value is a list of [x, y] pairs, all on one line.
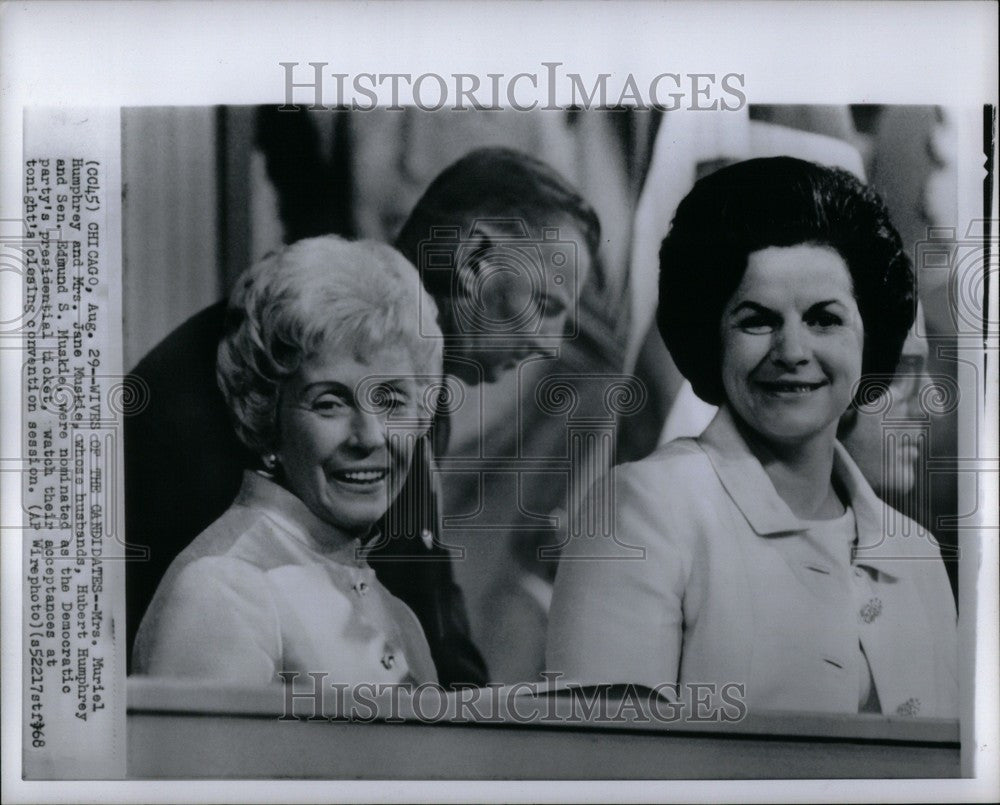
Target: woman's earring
{"points": [[270, 461]]}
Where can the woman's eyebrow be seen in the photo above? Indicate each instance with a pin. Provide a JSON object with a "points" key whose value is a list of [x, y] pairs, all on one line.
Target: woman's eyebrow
{"points": [[398, 383], [825, 302], [334, 386], [755, 307]]}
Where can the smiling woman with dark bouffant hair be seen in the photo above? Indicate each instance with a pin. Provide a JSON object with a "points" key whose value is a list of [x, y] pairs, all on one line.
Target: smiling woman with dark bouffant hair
{"points": [[280, 582], [765, 561]]}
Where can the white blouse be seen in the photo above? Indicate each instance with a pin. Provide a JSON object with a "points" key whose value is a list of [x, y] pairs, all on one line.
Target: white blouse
{"points": [[842, 533], [269, 587], [709, 578]]}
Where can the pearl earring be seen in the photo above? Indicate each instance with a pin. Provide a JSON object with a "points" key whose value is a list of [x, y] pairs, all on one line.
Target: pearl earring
{"points": [[270, 461]]}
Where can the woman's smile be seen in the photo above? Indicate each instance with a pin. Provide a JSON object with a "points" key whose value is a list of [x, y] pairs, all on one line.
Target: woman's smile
{"points": [[791, 388], [365, 480], [338, 453], [792, 341]]}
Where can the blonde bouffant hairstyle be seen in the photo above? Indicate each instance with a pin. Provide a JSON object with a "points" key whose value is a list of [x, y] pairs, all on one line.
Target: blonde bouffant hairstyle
{"points": [[323, 293]]}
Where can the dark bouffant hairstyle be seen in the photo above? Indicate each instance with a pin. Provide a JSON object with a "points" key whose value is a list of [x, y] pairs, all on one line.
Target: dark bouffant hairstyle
{"points": [[497, 183], [779, 201]]}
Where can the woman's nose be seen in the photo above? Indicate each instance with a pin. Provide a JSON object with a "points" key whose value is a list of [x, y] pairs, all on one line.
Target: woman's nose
{"points": [[790, 347], [368, 430]]}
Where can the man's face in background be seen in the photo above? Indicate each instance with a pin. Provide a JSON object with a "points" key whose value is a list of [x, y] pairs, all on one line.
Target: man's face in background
{"points": [[514, 300]]}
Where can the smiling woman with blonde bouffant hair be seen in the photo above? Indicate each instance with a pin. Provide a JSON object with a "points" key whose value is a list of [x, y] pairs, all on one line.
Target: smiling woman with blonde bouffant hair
{"points": [[322, 348]]}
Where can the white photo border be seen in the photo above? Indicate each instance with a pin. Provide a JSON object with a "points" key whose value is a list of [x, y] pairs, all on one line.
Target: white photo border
{"points": [[119, 54]]}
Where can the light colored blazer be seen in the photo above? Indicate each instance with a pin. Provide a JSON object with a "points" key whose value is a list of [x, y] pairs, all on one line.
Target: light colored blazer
{"points": [[269, 587], [727, 585]]}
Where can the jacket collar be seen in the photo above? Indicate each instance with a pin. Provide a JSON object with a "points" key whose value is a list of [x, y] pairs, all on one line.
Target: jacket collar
{"points": [[261, 492], [750, 488]]}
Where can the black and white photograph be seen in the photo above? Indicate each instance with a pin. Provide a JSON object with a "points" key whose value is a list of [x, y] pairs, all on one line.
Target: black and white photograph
{"points": [[570, 428]]}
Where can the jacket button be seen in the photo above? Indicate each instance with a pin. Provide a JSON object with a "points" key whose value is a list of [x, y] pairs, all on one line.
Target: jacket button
{"points": [[388, 660], [858, 572], [361, 588], [871, 610]]}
